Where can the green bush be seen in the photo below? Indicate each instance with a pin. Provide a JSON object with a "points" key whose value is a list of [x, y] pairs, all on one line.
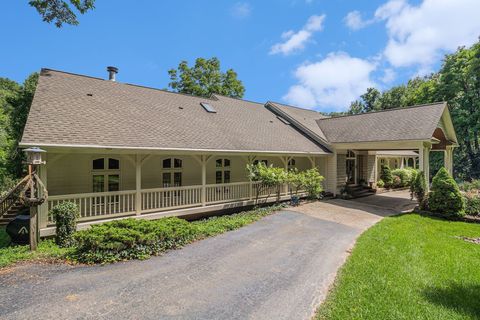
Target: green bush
{"points": [[472, 203], [445, 197], [405, 176], [380, 183], [65, 215], [313, 183], [132, 239], [386, 176], [470, 185], [269, 176], [418, 188]]}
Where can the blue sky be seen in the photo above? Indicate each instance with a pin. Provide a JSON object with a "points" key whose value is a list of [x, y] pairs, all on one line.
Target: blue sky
{"points": [[318, 54]]}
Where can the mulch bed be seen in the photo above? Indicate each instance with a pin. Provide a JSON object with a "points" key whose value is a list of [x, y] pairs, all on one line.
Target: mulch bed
{"points": [[467, 218], [472, 240]]}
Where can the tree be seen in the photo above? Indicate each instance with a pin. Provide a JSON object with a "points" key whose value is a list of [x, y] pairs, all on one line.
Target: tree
{"points": [[370, 99], [386, 176], [60, 12], [205, 79], [445, 197]]}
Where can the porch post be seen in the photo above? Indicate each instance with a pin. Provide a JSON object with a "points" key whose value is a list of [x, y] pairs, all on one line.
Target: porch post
{"points": [[138, 184], [204, 180], [376, 170], [285, 165], [402, 160], [424, 164], [448, 159], [43, 208]]}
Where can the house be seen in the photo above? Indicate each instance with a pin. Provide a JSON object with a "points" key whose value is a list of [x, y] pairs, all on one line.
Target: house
{"points": [[117, 149]]}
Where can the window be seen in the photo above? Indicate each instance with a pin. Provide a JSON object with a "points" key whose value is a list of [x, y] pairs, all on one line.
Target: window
{"points": [[208, 107], [172, 172], [410, 162], [222, 173], [265, 162], [291, 164], [105, 175], [350, 154]]}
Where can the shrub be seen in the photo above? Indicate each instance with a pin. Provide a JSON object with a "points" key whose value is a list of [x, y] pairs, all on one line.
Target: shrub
{"points": [[313, 183], [417, 189], [397, 182], [445, 197], [65, 215], [472, 203], [132, 239], [405, 176], [386, 176], [380, 183], [470, 186], [296, 180], [268, 176]]}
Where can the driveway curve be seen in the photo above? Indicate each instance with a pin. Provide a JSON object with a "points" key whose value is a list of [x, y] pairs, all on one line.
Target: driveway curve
{"points": [[278, 268]]}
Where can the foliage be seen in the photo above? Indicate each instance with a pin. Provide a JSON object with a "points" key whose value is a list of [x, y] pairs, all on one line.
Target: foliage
{"points": [[386, 176], [15, 101], [472, 203], [409, 267], [10, 253], [404, 175], [205, 79], [380, 183], [268, 177], [445, 197], [139, 239], [418, 188], [65, 215], [470, 185], [296, 180], [60, 12], [313, 183]]}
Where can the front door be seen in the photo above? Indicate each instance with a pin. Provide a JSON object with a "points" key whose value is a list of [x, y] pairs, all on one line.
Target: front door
{"points": [[350, 167]]}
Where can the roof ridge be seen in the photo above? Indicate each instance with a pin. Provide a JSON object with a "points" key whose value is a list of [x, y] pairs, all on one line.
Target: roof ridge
{"points": [[386, 110], [295, 107], [129, 84]]}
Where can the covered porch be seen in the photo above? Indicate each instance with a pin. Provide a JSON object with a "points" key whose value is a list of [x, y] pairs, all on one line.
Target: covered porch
{"points": [[117, 183]]}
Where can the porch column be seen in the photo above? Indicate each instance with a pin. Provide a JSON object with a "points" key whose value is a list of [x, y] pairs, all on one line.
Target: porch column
{"points": [[138, 184], [376, 171], [204, 180], [43, 208], [448, 159], [402, 160], [424, 164], [285, 166]]}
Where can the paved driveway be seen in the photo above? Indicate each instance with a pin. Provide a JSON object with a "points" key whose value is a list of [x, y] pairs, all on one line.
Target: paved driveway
{"points": [[277, 268]]}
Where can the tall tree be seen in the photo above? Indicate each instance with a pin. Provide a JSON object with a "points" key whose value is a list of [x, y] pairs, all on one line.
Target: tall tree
{"points": [[370, 99], [60, 11], [205, 78]]}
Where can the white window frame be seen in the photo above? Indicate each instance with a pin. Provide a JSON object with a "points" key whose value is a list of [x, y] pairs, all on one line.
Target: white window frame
{"points": [[105, 172], [172, 170], [223, 168]]}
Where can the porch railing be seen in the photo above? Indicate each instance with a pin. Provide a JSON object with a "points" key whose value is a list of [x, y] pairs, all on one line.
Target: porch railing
{"points": [[101, 205], [169, 198], [97, 205]]}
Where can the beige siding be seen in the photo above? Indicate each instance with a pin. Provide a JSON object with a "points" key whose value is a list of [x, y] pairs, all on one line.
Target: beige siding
{"points": [[331, 174], [341, 170], [370, 168]]}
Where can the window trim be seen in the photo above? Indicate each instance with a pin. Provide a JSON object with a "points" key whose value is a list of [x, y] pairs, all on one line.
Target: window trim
{"points": [[223, 168], [171, 171], [105, 172]]}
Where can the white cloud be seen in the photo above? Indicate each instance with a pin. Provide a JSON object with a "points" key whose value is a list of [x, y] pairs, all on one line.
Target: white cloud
{"points": [[388, 75], [331, 83], [354, 20], [241, 10], [295, 41], [420, 35]]}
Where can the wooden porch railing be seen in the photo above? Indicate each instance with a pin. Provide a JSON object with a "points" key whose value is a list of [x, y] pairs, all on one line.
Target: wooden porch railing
{"points": [[12, 197], [102, 205]]}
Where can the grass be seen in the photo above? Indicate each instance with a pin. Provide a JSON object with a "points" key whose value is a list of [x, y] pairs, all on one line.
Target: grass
{"points": [[409, 267], [10, 254]]}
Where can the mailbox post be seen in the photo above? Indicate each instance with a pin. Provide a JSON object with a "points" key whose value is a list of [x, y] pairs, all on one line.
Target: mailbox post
{"points": [[34, 159]]}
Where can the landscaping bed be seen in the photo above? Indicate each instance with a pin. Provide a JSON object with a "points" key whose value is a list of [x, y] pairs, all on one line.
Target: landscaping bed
{"points": [[409, 267], [130, 238]]}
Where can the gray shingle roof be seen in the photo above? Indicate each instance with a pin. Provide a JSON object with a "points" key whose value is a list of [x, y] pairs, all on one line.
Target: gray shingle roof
{"points": [[413, 123], [70, 109]]}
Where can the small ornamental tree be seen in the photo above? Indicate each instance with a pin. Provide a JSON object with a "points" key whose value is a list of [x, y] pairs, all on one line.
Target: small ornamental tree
{"points": [[267, 178], [296, 180], [445, 197], [65, 215], [418, 187], [386, 176], [313, 183]]}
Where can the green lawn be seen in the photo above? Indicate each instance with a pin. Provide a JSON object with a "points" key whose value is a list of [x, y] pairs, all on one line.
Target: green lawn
{"points": [[10, 253], [409, 267]]}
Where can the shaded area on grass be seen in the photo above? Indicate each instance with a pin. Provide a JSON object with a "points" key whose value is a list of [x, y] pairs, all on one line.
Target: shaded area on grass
{"points": [[461, 298], [409, 267]]}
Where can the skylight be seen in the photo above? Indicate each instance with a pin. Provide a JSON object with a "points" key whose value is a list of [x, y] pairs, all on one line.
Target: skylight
{"points": [[208, 107]]}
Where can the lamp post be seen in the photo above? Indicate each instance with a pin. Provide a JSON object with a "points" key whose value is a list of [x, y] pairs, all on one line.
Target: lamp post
{"points": [[34, 159]]}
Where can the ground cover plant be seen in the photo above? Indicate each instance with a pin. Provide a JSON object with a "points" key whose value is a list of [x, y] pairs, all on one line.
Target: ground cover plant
{"points": [[409, 267]]}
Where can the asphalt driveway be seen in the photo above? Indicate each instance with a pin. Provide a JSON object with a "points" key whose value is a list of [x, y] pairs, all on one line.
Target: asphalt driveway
{"points": [[277, 268]]}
